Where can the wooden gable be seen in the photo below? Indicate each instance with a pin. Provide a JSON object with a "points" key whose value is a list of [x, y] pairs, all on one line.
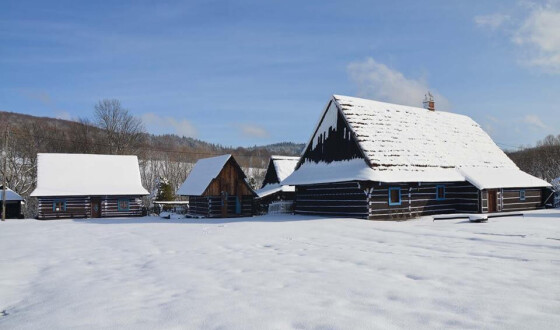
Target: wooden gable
{"points": [[271, 176], [332, 140], [230, 180]]}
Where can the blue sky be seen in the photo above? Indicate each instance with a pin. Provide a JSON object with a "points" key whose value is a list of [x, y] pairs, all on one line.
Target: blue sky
{"points": [[257, 72]]}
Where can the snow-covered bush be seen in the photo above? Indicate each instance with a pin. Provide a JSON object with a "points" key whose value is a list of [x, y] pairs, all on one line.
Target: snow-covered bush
{"points": [[556, 187]]}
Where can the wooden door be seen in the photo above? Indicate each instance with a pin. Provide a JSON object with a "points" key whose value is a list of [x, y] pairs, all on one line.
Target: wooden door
{"points": [[95, 208], [492, 201], [237, 205]]}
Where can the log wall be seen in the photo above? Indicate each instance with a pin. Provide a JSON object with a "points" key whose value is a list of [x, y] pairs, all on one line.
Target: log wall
{"points": [[262, 203], [419, 199], [212, 206], [371, 200], [76, 207], [509, 199], [109, 207], [346, 199], [198, 206], [80, 207]]}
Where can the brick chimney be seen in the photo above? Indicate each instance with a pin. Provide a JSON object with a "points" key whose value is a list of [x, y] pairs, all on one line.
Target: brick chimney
{"points": [[429, 102]]}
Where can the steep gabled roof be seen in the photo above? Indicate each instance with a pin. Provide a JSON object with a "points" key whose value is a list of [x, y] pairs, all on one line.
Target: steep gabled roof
{"points": [[284, 165], [398, 136], [87, 175], [403, 144], [205, 170]]}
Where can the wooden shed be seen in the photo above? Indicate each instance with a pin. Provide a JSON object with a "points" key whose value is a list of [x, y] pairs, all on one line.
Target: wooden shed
{"points": [[377, 160], [13, 203], [88, 186], [217, 188], [272, 191]]}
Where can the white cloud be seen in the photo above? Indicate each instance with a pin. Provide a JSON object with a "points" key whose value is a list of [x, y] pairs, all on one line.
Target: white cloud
{"points": [[535, 121], [377, 81], [540, 34], [164, 124], [492, 21], [252, 131], [534, 28]]}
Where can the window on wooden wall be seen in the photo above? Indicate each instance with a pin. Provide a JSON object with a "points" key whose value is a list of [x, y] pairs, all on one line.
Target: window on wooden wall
{"points": [[59, 205], [522, 194], [440, 192], [123, 204], [394, 196]]}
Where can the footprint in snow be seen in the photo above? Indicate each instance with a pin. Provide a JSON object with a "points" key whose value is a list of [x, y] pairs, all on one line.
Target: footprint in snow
{"points": [[414, 277]]}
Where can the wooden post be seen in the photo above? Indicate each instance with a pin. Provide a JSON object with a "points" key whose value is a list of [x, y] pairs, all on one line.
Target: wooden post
{"points": [[4, 156]]}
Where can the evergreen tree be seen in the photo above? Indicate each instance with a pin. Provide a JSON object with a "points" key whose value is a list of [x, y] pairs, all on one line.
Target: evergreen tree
{"points": [[165, 191], [252, 182]]}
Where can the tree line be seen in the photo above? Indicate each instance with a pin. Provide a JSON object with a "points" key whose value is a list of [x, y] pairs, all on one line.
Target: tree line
{"points": [[542, 161]]}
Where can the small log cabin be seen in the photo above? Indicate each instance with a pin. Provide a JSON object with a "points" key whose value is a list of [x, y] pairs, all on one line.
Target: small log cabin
{"points": [[279, 168], [377, 160], [217, 188], [13, 203], [88, 186]]}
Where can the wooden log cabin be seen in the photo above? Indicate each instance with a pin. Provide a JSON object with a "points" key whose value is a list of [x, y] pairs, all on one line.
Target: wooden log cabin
{"points": [[14, 203], [278, 169], [377, 160], [217, 188], [88, 186]]}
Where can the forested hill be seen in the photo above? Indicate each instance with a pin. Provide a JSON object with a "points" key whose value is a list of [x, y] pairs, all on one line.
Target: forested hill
{"points": [[542, 161], [59, 135]]}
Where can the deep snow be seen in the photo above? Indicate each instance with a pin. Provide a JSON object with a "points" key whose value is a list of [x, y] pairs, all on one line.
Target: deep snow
{"points": [[278, 272]]}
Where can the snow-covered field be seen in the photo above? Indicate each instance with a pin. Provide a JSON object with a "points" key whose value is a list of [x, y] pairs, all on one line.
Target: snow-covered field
{"points": [[281, 272]]}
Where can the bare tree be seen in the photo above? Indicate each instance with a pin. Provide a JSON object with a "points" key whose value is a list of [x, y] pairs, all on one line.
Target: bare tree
{"points": [[84, 136], [542, 161], [124, 132]]}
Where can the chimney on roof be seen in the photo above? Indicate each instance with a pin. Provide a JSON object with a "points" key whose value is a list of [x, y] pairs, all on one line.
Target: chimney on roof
{"points": [[429, 102]]}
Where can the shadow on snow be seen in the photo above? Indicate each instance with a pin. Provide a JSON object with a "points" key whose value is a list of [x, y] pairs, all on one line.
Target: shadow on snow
{"points": [[263, 218]]}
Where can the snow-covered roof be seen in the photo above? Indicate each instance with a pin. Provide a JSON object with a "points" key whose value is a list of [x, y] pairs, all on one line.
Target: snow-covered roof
{"points": [[273, 188], [284, 165], [204, 171], [358, 170], [402, 137], [404, 144], [10, 195], [490, 178], [87, 175]]}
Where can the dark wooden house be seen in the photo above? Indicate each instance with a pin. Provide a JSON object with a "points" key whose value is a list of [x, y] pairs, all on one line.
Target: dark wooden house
{"points": [[13, 203], [88, 186], [217, 188], [279, 168], [376, 160]]}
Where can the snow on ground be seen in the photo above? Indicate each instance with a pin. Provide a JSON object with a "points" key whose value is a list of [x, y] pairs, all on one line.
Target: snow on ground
{"points": [[281, 272]]}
